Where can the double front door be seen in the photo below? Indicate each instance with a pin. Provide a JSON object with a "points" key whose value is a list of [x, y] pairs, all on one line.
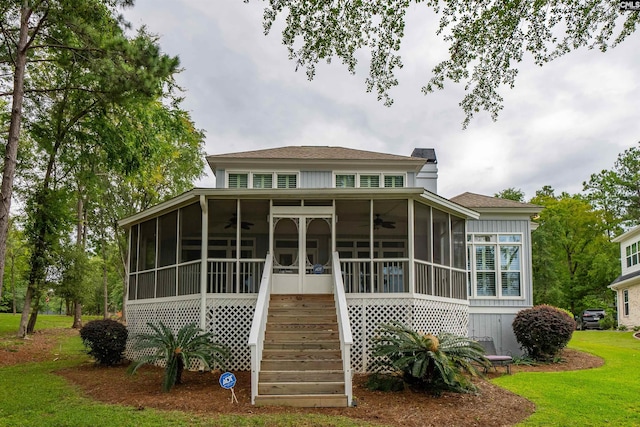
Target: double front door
{"points": [[301, 247]]}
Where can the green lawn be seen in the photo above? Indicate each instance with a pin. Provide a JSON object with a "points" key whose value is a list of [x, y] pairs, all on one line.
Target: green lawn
{"points": [[9, 322], [31, 394], [603, 396]]}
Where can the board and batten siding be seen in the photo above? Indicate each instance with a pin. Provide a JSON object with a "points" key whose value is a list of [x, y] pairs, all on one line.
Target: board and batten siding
{"points": [[316, 179], [497, 326], [221, 178]]}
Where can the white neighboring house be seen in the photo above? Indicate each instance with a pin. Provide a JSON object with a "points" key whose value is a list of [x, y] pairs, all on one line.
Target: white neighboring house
{"points": [[288, 227], [627, 285]]}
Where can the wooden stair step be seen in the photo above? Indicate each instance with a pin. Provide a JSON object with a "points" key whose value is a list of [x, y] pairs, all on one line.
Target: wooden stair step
{"points": [[302, 297], [297, 318], [301, 354], [300, 365], [304, 401], [329, 326], [284, 388], [302, 376], [304, 345], [301, 335]]}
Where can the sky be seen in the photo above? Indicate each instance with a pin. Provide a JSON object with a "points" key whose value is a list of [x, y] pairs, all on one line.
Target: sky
{"points": [[561, 123]]}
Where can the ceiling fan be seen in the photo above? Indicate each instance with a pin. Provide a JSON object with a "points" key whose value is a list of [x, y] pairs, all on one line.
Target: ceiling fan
{"points": [[379, 222], [233, 222]]}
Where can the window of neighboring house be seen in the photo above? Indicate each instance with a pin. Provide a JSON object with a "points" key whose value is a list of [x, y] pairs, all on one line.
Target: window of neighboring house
{"points": [[393, 181], [287, 181], [370, 181], [495, 265], [632, 254], [238, 180], [625, 295], [345, 181], [262, 180]]}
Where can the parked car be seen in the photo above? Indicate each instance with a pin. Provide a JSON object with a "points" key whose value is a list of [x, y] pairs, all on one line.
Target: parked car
{"points": [[590, 319]]}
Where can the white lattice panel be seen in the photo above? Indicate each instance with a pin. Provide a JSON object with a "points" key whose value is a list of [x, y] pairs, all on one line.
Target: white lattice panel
{"points": [[173, 314], [229, 319], [367, 314]]}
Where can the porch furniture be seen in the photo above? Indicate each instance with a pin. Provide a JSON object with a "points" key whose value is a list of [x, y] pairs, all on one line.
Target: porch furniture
{"points": [[490, 353]]}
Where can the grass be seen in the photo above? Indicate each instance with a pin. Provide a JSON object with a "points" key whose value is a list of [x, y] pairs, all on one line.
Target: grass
{"points": [[31, 394], [9, 322], [602, 396]]}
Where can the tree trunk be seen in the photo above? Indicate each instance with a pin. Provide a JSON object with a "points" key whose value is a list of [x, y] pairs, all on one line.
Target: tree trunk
{"points": [[179, 370], [104, 283], [77, 315], [67, 307], [11, 150], [31, 326], [22, 330], [13, 280]]}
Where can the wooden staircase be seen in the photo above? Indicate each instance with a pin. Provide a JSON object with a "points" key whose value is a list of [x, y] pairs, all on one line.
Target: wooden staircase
{"points": [[301, 359]]}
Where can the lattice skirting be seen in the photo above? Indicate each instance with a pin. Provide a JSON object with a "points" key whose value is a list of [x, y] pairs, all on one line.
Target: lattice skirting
{"points": [[366, 314], [229, 319]]}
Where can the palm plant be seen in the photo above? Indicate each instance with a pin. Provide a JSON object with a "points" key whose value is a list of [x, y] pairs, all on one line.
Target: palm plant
{"points": [[429, 362], [176, 351]]}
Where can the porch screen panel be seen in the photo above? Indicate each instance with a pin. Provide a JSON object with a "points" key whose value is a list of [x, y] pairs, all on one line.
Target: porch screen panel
{"points": [[441, 239], [133, 249], [422, 232], [390, 243], [254, 243], [190, 233], [167, 239], [459, 244], [147, 248], [353, 244]]}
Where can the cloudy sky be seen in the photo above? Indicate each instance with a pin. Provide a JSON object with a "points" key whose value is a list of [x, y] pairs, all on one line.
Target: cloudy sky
{"points": [[560, 124]]}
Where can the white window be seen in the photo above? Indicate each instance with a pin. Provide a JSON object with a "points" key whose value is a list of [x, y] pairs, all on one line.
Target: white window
{"points": [[238, 180], [625, 295], [632, 254], [495, 265], [287, 180], [370, 181], [262, 180], [393, 181], [345, 181]]}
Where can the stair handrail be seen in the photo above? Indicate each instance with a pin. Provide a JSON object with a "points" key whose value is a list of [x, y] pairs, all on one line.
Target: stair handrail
{"points": [[344, 326], [258, 326]]}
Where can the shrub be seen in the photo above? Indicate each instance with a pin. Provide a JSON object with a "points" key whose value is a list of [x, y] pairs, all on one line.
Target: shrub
{"points": [[427, 362], [636, 328], [608, 321], [176, 351], [105, 340], [543, 331], [385, 382], [623, 328]]}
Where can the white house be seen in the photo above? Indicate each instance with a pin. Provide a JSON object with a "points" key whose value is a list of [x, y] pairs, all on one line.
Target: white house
{"points": [[300, 253], [627, 285]]}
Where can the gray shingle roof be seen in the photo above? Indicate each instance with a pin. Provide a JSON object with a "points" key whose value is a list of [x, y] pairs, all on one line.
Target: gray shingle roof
{"points": [[312, 153], [475, 201]]}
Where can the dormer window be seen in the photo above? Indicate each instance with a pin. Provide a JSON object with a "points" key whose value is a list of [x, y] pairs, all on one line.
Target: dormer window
{"points": [[262, 180], [345, 181], [369, 181], [287, 181], [238, 180], [393, 181]]}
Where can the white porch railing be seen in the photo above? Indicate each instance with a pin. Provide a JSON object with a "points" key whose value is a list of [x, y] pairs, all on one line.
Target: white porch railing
{"points": [[344, 326], [226, 276], [256, 336]]}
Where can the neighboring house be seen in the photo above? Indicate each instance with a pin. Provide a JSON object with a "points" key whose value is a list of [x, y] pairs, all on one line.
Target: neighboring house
{"points": [[499, 264], [627, 285], [300, 253]]}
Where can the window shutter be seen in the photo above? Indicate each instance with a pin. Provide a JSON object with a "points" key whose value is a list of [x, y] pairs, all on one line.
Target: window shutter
{"points": [[238, 180], [369, 181], [263, 180], [393, 181], [287, 181], [345, 181]]}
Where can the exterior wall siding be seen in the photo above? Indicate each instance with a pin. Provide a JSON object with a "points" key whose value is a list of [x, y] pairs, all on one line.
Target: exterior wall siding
{"points": [[316, 179], [633, 319], [221, 178], [508, 226], [498, 327]]}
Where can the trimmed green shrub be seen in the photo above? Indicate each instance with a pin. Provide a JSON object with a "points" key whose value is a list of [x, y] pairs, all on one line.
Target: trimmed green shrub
{"points": [[105, 340], [385, 382], [177, 350], [427, 362], [608, 321], [543, 331]]}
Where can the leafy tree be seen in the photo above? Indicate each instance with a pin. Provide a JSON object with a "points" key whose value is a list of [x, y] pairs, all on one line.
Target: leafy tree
{"points": [[177, 351], [573, 257], [616, 192], [486, 40], [426, 361], [512, 193]]}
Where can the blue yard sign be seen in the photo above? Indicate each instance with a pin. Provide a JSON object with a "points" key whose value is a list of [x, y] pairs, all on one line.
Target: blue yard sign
{"points": [[227, 380]]}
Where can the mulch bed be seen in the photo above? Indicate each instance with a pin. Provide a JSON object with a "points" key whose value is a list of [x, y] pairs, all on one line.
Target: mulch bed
{"points": [[201, 393]]}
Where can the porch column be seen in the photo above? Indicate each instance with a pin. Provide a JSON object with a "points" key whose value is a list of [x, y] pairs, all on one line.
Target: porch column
{"points": [[203, 261], [411, 241]]}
